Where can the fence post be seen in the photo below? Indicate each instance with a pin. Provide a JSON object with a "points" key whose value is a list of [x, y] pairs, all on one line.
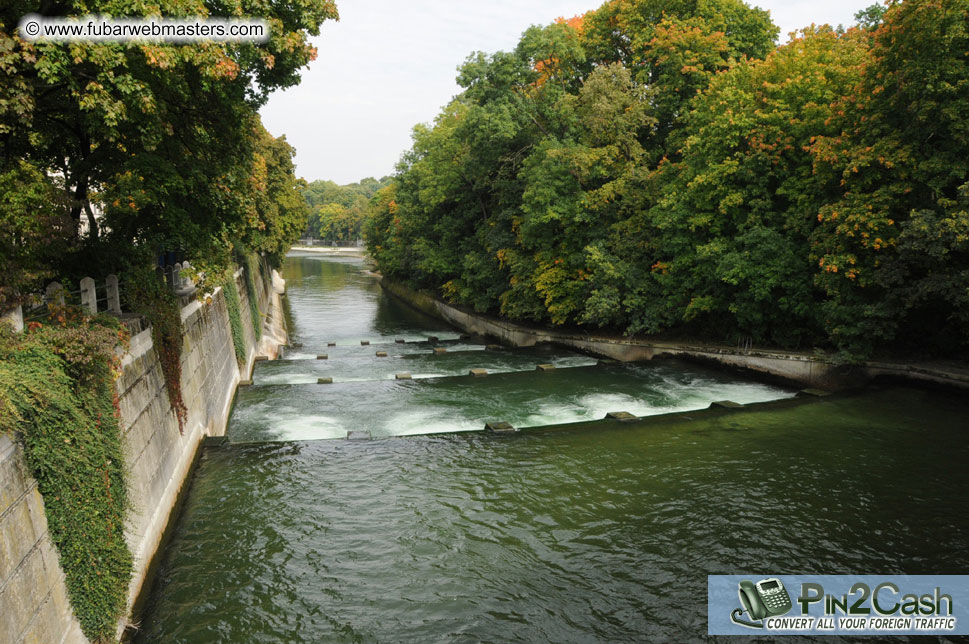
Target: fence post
{"points": [[89, 295], [15, 316], [114, 294], [187, 279], [55, 293]]}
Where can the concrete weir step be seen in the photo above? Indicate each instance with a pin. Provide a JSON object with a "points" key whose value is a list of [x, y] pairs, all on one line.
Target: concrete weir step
{"points": [[385, 365], [726, 404], [621, 416], [500, 428], [817, 393], [522, 399], [391, 347]]}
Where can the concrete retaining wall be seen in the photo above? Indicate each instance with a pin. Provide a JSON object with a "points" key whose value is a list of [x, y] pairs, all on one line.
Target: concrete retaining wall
{"points": [[159, 458], [802, 368], [33, 594]]}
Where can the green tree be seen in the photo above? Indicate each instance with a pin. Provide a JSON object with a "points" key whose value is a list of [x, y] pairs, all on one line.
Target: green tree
{"points": [[354, 198], [278, 211], [731, 251], [893, 245], [158, 137]]}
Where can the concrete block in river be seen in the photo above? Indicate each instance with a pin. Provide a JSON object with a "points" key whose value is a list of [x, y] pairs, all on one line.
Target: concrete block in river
{"points": [[440, 350], [818, 393], [623, 416], [214, 441], [726, 404], [331, 344], [400, 341], [381, 354], [405, 375], [433, 338], [324, 381], [245, 383], [493, 347], [322, 356], [364, 343], [478, 372], [545, 367], [500, 428]]}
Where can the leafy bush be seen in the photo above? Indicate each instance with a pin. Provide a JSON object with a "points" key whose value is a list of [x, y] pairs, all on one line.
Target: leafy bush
{"points": [[57, 391]]}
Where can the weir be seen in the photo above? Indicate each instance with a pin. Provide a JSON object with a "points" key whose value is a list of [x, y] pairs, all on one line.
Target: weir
{"points": [[357, 348], [555, 523]]}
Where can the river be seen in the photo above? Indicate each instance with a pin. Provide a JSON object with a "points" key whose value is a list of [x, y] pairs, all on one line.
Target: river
{"points": [[573, 530]]}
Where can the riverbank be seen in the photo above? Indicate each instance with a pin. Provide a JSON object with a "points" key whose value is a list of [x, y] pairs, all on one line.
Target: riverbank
{"points": [[336, 251], [803, 369]]}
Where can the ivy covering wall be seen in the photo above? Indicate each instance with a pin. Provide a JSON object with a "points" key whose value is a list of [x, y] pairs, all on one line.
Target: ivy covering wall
{"points": [[57, 392]]}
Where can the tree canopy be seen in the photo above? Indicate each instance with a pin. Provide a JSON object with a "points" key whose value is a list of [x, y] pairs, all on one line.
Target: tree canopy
{"points": [[665, 168], [153, 144], [337, 213]]}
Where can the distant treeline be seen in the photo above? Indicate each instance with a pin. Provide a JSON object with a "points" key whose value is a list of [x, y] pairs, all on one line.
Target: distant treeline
{"points": [[337, 212], [661, 166]]}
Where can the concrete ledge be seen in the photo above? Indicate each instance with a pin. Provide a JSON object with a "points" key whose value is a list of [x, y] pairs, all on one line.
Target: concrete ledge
{"points": [[500, 428], [623, 416], [810, 370], [817, 393], [726, 404]]}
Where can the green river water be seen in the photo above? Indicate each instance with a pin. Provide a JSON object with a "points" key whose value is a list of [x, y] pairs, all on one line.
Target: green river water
{"points": [[576, 530]]}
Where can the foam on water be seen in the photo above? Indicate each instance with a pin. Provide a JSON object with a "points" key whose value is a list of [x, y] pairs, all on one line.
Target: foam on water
{"points": [[287, 379], [423, 421], [288, 423]]}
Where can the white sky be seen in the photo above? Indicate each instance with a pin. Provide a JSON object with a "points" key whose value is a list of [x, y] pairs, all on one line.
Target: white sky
{"points": [[390, 64]]}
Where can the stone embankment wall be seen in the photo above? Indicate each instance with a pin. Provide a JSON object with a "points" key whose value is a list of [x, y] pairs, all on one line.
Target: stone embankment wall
{"points": [[806, 369], [159, 458]]}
